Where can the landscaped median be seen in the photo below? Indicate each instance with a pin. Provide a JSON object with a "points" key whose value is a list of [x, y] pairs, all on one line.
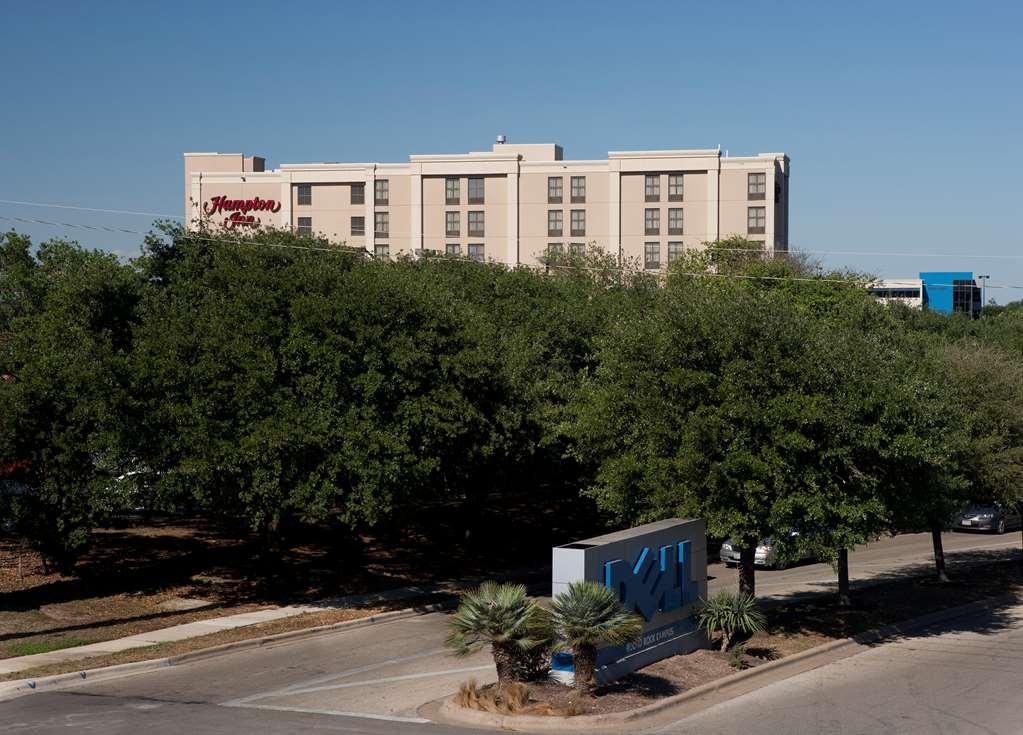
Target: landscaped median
{"points": [[797, 638]]}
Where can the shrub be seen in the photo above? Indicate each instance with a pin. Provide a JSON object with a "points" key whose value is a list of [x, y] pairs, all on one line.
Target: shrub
{"points": [[585, 616], [730, 614], [517, 629]]}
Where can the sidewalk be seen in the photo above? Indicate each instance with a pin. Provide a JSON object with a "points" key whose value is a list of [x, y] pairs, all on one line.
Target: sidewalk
{"points": [[205, 627]]}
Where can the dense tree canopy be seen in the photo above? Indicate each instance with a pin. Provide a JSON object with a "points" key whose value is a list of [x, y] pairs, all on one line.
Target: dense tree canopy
{"points": [[294, 380]]}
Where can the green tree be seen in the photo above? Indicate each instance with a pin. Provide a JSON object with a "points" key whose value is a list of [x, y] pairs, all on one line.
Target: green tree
{"points": [[588, 615], [67, 321]]}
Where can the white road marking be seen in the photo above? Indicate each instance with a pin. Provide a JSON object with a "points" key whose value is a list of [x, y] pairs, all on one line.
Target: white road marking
{"points": [[389, 679], [331, 677], [335, 713]]}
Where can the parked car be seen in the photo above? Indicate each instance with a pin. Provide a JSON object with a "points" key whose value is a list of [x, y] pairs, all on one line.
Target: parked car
{"points": [[993, 517], [768, 554]]}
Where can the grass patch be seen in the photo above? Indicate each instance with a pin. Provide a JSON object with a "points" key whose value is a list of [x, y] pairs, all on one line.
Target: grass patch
{"points": [[30, 648]]}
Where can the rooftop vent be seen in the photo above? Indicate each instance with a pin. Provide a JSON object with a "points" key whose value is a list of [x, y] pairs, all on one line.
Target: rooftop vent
{"points": [[501, 139]]}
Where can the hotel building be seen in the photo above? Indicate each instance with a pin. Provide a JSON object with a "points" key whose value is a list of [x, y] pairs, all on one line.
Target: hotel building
{"points": [[512, 204]]}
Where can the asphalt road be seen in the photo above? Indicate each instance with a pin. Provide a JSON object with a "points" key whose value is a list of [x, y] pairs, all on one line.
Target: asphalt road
{"points": [[964, 681], [373, 679]]}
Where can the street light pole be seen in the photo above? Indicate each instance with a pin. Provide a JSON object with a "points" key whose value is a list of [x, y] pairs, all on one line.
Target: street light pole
{"points": [[983, 290]]}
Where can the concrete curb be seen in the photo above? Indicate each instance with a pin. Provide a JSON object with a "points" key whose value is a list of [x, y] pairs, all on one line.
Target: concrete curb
{"points": [[20, 687], [695, 700]]}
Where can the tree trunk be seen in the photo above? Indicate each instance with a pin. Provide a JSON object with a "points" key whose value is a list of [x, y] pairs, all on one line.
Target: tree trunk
{"points": [[1021, 516], [939, 552], [584, 658], [747, 571], [504, 660], [843, 578]]}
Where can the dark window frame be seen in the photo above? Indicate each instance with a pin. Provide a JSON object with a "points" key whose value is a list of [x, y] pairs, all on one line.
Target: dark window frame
{"points": [[386, 219], [453, 248], [553, 198], [680, 196], [681, 217], [306, 227], [457, 231], [648, 264], [647, 195], [761, 184], [357, 231], [573, 230], [483, 190], [448, 197], [482, 254], [385, 200], [559, 215], [656, 229], [756, 229], [577, 198], [304, 192], [675, 250], [361, 197], [481, 216]]}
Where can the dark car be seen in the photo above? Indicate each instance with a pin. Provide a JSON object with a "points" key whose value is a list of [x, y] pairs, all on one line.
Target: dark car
{"points": [[993, 517]]}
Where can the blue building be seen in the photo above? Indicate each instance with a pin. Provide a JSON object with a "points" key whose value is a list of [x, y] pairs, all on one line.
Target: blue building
{"points": [[951, 292]]}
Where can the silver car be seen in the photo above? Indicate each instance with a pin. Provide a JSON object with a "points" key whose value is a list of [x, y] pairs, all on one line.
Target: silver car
{"points": [[993, 517], [767, 554]]}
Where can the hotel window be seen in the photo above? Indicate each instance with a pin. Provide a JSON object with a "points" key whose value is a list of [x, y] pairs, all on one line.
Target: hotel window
{"points": [[382, 250], [578, 189], [476, 223], [476, 252], [358, 193], [305, 225], [756, 185], [555, 222], [756, 220], [675, 187], [577, 248], [674, 251], [652, 221], [476, 190], [555, 249], [358, 225], [652, 256], [381, 192], [675, 221], [652, 187], [452, 248], [451, 224], [554, 189], [451, 191], [578, 223], [305, 194], [381, 224]]}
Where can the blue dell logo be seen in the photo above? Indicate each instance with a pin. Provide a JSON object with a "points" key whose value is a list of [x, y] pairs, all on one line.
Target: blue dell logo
{"points": [[656, 582]]}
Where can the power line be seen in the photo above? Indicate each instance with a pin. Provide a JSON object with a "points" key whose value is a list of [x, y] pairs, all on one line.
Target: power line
{"points": [[660, 274], [91, 209]]}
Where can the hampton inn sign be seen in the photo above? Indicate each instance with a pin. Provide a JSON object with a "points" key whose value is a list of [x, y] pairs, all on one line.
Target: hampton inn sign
{"points": [[239, 210]]}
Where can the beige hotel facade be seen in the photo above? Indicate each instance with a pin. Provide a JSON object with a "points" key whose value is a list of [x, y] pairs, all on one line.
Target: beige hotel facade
{"points": [[513, 204]]}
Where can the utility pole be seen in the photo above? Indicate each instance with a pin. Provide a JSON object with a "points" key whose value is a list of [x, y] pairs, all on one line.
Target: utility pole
{"points": [[983, 290]]}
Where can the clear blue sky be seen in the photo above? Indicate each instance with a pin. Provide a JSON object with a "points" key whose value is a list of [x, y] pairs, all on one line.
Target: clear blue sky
{"points": [[903, 120]]}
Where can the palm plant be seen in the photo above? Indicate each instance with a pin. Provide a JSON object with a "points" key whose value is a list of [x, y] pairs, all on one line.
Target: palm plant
{"points": [[731, 614], [587, 615], [503, 616]]}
